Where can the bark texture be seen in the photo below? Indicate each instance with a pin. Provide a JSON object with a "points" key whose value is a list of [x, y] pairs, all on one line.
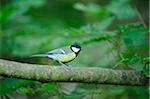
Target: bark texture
{"points": [[47, 73]]}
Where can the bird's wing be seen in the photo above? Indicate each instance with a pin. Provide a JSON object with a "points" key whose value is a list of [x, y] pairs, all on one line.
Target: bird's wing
{"points": [[58, 51]]}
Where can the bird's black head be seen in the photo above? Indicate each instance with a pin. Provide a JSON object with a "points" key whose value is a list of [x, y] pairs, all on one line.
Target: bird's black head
{"points": [[75, 48]]}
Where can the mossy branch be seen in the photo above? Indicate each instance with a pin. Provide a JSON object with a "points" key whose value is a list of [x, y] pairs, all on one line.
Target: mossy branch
{"points": [[46, 73]]}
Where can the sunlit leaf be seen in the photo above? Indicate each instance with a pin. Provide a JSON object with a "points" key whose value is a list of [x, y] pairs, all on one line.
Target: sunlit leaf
{"points": [[91, 8], [121, 9]]}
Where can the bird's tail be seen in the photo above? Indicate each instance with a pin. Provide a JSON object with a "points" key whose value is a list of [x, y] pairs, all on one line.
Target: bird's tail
{"points": [[39, 55]]}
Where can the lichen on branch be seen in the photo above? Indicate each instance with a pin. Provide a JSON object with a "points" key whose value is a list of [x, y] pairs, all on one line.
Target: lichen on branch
{"points": [[46, 73]]}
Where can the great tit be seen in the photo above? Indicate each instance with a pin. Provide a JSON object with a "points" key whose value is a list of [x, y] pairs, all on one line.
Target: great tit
{"points": [[62, 55]]}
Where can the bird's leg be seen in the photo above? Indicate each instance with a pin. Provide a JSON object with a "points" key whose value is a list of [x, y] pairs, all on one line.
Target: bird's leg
{"points": [[67, 66]]}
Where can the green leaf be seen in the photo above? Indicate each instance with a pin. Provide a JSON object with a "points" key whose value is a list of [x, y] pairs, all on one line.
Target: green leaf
{"points": [[90, 9], [7, 86], [146, 69], [24, 90], [134, 59], [93, 29], [29, 3], [133, 34], [48, 87], [105, 23], [121, 9]]}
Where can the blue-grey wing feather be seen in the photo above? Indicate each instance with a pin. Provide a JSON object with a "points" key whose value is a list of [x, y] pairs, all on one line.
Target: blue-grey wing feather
{"points": [[57, 51]]}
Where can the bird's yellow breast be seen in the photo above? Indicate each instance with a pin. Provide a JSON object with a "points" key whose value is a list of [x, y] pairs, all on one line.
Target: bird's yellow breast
{"points": [[67, 57]]}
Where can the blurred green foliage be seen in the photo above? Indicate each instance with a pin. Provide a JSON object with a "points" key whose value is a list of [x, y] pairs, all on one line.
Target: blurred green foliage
{"points": [[109, 32]]}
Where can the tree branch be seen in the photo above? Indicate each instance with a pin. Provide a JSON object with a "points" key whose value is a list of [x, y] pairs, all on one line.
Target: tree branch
{"points": [[46, 73]]}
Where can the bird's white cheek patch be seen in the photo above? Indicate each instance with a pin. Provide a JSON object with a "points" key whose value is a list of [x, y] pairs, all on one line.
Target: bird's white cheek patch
{"points": [[75, 49]]}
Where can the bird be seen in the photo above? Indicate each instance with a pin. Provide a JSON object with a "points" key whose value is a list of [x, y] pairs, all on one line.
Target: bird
{"points": [[62, 55]]}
